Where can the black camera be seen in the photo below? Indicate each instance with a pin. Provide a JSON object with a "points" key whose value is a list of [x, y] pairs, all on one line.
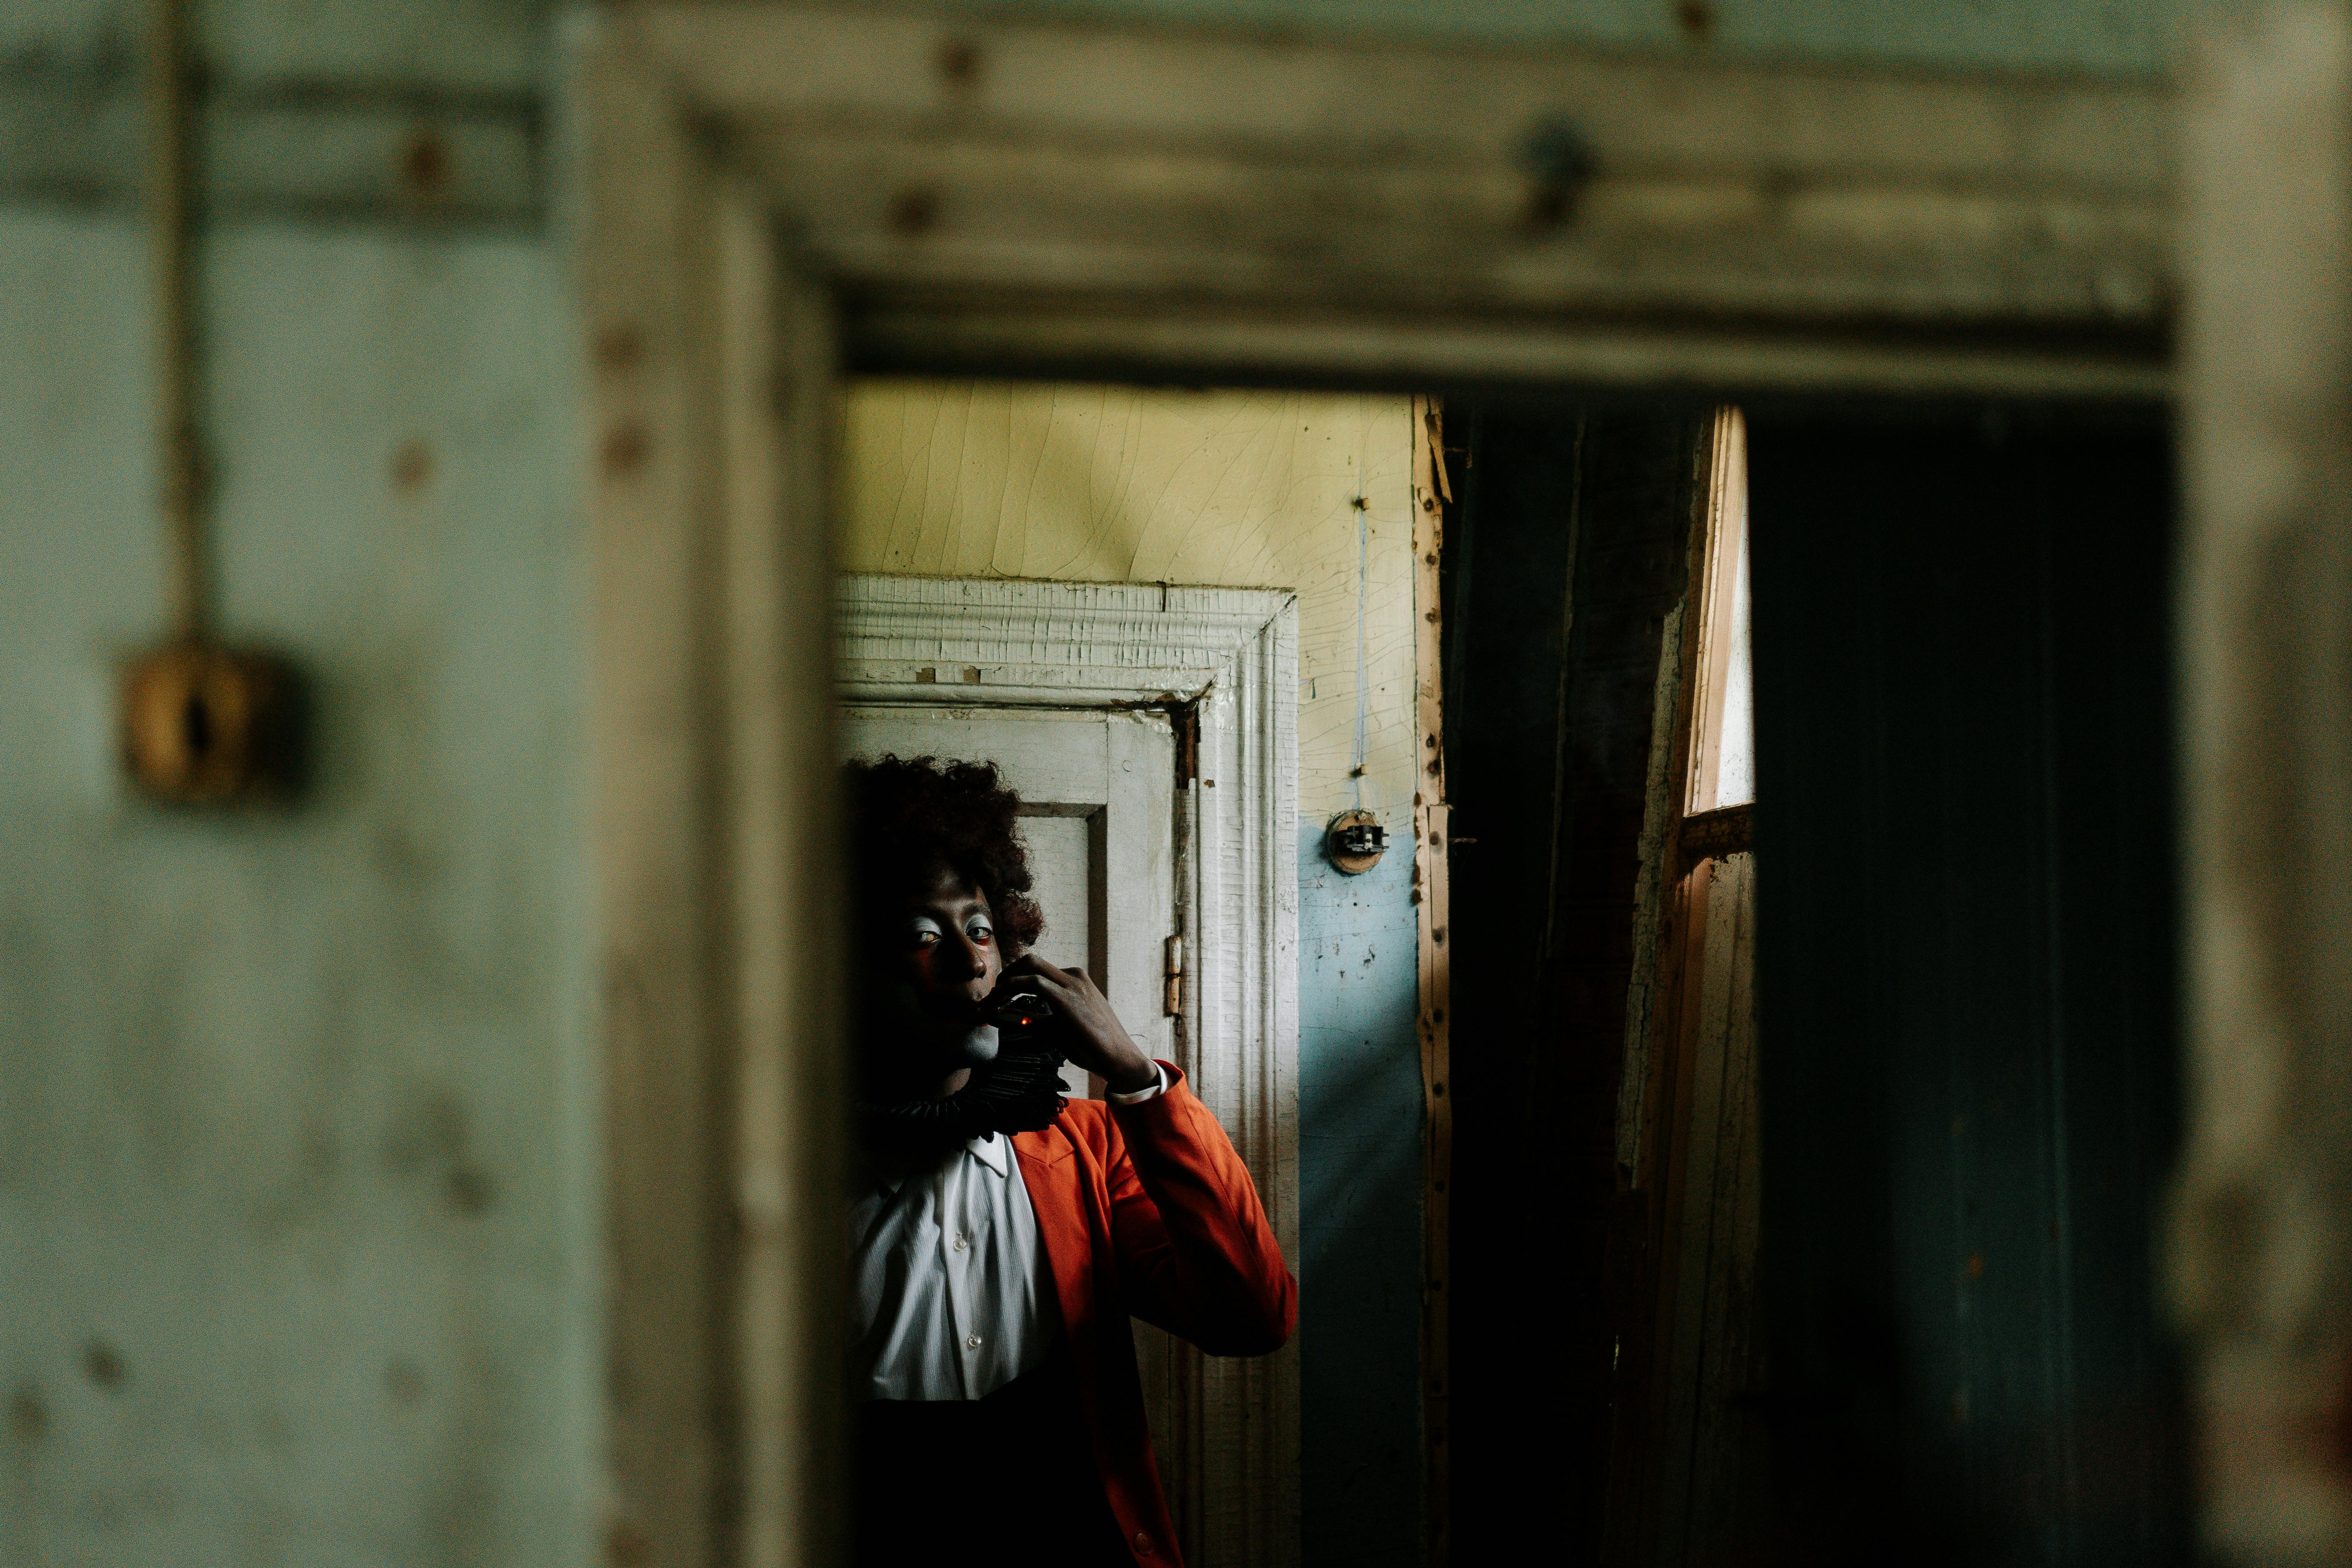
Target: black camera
{"points": [[1020, 1012]]}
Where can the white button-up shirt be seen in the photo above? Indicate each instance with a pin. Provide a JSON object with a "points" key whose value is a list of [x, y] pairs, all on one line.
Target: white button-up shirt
{"points": [[947, 1280]]}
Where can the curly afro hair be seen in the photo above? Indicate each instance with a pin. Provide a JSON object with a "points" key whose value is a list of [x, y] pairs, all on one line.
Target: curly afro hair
{"points": [[914, 815]]}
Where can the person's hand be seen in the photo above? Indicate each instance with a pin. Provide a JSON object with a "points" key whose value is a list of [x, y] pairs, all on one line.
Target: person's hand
{"points": [[1092, 1034]]}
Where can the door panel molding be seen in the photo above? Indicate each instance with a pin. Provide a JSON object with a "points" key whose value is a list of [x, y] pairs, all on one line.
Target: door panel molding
{"points": [[1228, 1439], [1035, 644]]}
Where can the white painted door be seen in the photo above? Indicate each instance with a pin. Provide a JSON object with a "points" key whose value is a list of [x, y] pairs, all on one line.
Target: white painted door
{"points": [[1098, 805]]}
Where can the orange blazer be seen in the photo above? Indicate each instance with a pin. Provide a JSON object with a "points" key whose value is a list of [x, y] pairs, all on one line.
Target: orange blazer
{"points": [[1145, 1210]]}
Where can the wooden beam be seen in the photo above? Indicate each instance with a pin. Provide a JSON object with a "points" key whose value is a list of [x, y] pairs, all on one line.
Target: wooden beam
{"points": [[2260, 1243], [1653, 1084], [1432, 490], [781, 861], [1057, 169], [646, 293], [1099, 338]]}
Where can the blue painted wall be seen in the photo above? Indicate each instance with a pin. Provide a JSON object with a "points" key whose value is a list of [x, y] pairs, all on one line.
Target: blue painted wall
{"points": [[296, 1236], [1360, 1206]]}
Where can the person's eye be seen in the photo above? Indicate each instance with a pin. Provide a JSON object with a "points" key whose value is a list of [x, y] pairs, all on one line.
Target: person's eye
{"points": [[981, 931], [923, 934]]}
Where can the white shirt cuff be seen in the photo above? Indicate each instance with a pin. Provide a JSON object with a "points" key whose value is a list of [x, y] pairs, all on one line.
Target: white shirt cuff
{"points": [[1158, 1088]]}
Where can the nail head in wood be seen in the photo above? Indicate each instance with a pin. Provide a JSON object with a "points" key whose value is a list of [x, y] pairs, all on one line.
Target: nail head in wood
{"points": [[960, 63]]}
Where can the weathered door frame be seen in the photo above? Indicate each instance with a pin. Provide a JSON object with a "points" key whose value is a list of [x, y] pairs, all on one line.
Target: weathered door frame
{"points": [[1225, 660], [2260, 1249], [763, 196], [1685, 1122]]}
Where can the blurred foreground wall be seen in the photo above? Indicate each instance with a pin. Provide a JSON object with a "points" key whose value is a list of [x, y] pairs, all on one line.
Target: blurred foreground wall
{"points": [[295, 1177], [297, 1163], [296, 1170]]}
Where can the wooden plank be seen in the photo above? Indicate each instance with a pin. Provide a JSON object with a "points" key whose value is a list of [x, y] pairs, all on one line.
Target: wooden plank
{"points": [[1655, 1137], [1660, 846], [2261, 1237], [711, 385], [320, 151], [1688, 1149], [781, 857], [1708, 1443], [1269, 95], [645, 213], [1247, 1056], [1002, 174], [1020, 215], [1431, 488], [1089, 338], [1728, 1496]]}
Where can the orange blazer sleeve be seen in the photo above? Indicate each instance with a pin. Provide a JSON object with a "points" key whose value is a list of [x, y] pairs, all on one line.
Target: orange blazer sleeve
{"points": [[1195, 1253]]}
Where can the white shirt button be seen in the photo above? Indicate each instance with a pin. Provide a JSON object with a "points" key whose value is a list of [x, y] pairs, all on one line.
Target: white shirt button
{"points": [[960, 1243], [972, 1341]]}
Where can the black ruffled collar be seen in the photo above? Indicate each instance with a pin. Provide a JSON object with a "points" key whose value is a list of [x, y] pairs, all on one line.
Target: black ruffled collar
{"points": [[1018, 1091]]}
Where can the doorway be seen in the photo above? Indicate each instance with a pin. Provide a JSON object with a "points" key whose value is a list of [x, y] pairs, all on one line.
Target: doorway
{"points": [[1151, 734], [721, 347]]}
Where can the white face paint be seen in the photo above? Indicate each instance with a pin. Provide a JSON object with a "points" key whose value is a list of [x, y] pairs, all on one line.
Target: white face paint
{"points": [[924, 930], [981, 1044]]}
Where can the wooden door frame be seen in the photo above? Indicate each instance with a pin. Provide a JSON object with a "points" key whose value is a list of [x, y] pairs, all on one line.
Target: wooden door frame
{"points": [[2258, 1257], [1225, 660], [1681, 852], [761, 198]]}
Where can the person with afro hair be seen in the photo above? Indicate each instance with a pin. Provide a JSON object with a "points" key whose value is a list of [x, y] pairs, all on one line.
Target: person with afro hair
{"points": [[1002, 1236]]}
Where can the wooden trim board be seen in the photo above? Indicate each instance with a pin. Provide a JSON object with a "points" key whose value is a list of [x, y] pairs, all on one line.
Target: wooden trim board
{"points": [[994, 191], [647, 287], [712, 380], [1431, 490]]}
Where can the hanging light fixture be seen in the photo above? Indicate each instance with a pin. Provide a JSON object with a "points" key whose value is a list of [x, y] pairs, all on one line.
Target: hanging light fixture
{"points": [[203, 723]]}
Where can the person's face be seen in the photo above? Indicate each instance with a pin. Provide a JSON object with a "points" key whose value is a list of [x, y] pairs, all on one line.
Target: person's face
{"points": [[947, 961]]}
